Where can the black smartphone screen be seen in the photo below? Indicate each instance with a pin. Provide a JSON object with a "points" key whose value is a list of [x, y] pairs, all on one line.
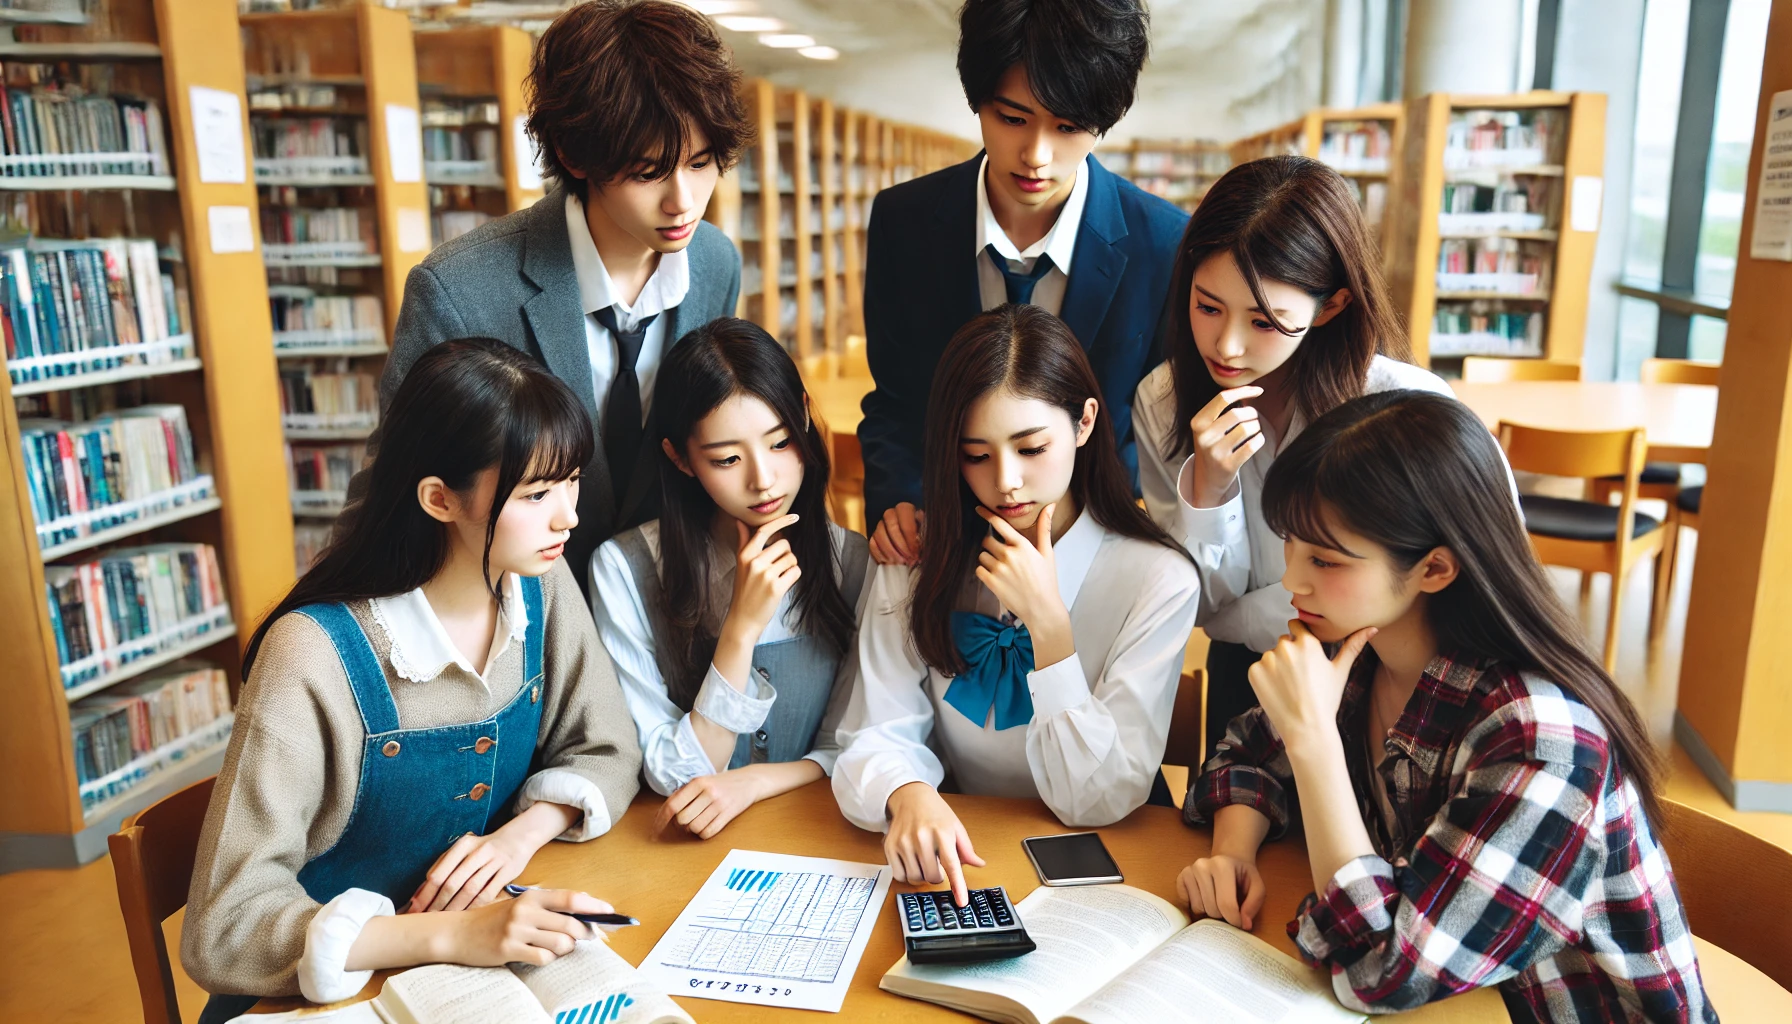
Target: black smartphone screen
{"points": [[1065, 858]]}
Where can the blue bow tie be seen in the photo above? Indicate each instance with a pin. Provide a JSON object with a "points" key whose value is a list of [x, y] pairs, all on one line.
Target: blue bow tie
{"points": [[997, 659]]}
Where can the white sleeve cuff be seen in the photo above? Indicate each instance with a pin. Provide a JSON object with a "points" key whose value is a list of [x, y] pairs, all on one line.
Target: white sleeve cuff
{"points": [[565, 786], [323, 977], [880, 778], [733, 709], [1222, 524], [825, 756], [1058, 688]]}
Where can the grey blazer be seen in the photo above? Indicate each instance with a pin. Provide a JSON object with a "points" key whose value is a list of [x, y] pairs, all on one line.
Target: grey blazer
{"points": [[513, 279]]}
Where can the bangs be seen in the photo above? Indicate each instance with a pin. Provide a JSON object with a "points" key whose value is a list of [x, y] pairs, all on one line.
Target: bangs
{"points": [[549, 440], [1247, 267], [1293, 507]]}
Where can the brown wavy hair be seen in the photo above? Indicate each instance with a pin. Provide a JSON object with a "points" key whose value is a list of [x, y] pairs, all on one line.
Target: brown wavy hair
{"points": [[1030, 353], [1290, 219], [615, 85]]}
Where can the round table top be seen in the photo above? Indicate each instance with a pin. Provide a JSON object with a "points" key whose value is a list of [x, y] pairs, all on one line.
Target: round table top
{"points": [[1678, 418], [653, 877]]}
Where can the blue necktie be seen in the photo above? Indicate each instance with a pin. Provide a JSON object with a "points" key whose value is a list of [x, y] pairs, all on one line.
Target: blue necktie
{"points": [[1020, 286], [997, 659]]}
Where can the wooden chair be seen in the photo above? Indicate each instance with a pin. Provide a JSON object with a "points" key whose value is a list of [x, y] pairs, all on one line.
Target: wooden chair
{"points": [[152, 857], [1586, 535], [1737, 891], [1683, 511], [1660, 480], [1183, 752], [1494, 370]]}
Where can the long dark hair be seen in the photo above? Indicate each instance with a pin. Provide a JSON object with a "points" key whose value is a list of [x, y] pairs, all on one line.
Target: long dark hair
{"points": [[1289, 219], [1413, 471], [463, 408], [1032, 354], [724, 358]]}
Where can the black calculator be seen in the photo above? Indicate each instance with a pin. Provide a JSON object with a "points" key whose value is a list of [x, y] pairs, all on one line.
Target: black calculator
{"points": [[937, 931]]}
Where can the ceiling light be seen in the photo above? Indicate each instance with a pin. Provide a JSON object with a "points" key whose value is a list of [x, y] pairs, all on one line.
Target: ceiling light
{"points": [[820, 52], [715, 7], [740, 24], [786, 40]]}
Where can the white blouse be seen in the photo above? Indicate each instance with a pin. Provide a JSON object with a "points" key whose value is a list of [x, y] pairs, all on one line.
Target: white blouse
{"points": [[1100, 719], [671, 754], [1238, 556]]}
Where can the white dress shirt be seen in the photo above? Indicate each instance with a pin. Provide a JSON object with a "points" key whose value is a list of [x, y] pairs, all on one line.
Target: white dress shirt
{"points": [[421, 651], [671, 754], [1059, 243], [1239, 557], [1100, 718], [664, 290]]}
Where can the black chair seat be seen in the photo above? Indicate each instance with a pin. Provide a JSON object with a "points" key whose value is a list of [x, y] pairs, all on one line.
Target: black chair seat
{"points": [[1689, 499], [1653, 473], [1567, 519]]}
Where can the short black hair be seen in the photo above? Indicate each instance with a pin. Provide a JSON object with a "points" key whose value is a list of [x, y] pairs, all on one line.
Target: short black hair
{"points": [[1082, 57], [615, 84]]}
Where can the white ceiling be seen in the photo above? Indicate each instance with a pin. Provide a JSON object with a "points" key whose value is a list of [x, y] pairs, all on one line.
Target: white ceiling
{"points": [[1218, 69]]}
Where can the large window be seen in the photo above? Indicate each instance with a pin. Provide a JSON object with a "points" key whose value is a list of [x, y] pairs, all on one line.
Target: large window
{"points": [[1696, 97]]}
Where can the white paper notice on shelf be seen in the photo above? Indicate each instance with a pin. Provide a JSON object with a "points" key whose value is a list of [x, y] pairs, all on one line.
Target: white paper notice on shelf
{"points": [[1584, 202], [413, 229], [218, 132], [528, 155], [232, 230], [1773, 203], [773, 930], [404, 142]]}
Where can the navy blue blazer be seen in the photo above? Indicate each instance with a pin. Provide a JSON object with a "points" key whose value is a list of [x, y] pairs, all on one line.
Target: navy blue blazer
{"points": [[921, 285]]}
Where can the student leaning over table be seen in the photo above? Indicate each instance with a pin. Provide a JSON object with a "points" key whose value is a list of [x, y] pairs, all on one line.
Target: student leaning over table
{"points": [[373, 764], [1477, 795], [1036, 649], [730, 615]]}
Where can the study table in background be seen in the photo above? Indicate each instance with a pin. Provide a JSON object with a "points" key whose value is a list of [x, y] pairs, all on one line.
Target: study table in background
{"points": [[1678, 418], [653, 878]]}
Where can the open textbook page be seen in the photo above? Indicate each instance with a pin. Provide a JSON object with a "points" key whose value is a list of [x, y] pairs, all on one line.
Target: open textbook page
{"points": [[1086, 936], [1212, 972], [593, 985]]}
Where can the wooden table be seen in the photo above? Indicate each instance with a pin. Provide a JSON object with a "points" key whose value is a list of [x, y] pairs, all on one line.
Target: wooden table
{"points": [[654, 877], [1677, 417]]}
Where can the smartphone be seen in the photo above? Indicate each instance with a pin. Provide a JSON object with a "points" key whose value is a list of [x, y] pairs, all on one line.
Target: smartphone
{"points": [[1074, 858]]}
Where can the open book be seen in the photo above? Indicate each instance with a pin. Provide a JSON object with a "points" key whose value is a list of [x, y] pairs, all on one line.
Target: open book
{"points": [[590, 985], [1113, 954]]}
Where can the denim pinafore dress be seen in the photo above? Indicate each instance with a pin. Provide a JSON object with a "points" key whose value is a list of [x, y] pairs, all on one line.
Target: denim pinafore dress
{"points": [[799, 669], [420, 789]]}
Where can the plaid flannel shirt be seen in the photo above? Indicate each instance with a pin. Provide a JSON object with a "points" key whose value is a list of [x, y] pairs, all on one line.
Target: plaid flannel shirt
{"points": [[1518, 856]]}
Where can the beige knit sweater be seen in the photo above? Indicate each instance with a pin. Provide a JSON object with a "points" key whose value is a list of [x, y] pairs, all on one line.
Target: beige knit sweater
{"points": [[289, 778]]}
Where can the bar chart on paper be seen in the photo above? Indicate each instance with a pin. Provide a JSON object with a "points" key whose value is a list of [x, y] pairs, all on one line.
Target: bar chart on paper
{"points": [[773, 930]]}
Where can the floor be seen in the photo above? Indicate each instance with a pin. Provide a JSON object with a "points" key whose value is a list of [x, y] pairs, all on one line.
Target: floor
{"points": [[71, 962]]}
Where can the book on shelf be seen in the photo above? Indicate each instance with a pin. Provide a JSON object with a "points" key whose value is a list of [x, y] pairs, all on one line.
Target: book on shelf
{"points": [[1113, 954], [1365, 146], [447, 225], [304, 319], [308, 542], [460, 141], [1505, 205], [83, 478], [1509, 266], [76, 306], [292, 95], [143, 715], [1502, 139], [290, 231], [318, 475], [590, 985], [57, 121], [132, 603], [330, 397], [310, 147], [1484, 329]]}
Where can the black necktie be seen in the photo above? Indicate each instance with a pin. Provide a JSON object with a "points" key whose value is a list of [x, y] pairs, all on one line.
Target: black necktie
{"points": [[1020, 286], [622, 408]]}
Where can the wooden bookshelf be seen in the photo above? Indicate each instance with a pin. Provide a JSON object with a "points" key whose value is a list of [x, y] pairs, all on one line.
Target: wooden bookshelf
{"points": [[478, 70], [163, 49], [369, 60], [1373, 173], [1551, 234], [1179, 170]]}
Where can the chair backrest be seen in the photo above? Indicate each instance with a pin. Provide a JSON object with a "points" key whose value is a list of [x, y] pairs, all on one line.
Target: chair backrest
{"points": [[1680, 371], [1736, 887], [1187, 734], [1579, 453], [152, 858], [1494, 370]]}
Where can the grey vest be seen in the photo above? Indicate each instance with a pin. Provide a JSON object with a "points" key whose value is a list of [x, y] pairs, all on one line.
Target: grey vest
{"points": [[800, 669]]}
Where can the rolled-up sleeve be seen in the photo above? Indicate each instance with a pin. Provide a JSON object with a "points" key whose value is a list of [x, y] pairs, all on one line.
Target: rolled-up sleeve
{"points": [[1250, 767]]}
